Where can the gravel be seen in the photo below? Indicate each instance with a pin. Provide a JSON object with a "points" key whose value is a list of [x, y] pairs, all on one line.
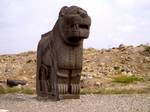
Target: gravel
{"points": [[87, 103]]}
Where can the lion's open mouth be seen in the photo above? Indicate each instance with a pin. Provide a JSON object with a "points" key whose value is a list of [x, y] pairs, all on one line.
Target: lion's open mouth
{"points": [[78, 32], [84, 26], [74, 39], [75, 27]]}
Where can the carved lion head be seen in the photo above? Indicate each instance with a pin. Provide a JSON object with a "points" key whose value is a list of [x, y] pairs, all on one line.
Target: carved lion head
{"points": [[74, 24]]}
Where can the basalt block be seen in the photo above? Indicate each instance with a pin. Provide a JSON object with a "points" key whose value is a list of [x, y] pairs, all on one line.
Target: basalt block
{"points": [[59, 55]]}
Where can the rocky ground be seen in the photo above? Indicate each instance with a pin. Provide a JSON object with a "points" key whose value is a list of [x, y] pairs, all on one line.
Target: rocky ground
{"points": [[87, 103], [99, 67]]}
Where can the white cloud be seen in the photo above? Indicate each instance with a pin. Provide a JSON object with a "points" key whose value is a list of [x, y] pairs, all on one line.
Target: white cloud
{"points": [[130, 4], [144, 23], [142, 2], [126, 4], [126, 28]]}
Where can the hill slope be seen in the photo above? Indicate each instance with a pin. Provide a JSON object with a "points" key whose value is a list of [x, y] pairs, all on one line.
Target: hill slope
{"points": [[100, 67]]}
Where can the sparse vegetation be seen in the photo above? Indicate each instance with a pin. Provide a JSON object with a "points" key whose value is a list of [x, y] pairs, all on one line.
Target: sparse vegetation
{"points": [[126, 79], [116, 67], [115, 91], [92, 91], [28, 91], [16, 90], [146, 78], [147, 50]]}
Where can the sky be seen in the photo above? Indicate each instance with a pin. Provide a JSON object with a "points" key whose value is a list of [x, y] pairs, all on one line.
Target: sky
{"points": [[114, 22]]}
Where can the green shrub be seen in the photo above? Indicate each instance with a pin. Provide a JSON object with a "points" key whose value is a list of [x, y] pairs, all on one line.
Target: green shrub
{"points": [[28, 91], [16, 90], [9, 90], [126, 79], [114, 91], [2, 91], [116, 68], [92, 91], [147, 50]]}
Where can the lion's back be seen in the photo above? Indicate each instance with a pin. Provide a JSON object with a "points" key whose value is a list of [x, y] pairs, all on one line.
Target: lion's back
{"points": [[43, 48]]}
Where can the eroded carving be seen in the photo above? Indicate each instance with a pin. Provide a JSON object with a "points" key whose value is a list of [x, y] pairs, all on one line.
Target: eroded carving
{"points": [[59, 55]]}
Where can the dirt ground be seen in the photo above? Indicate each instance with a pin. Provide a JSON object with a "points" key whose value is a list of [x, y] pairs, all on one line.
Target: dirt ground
{"points": [[86, 103]]}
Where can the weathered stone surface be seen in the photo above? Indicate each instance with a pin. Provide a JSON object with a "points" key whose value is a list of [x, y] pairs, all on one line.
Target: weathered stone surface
{"points": [[59, 54]]}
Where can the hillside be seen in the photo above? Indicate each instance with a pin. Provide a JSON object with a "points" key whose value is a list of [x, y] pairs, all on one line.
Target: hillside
{"points": [[100, 67]]}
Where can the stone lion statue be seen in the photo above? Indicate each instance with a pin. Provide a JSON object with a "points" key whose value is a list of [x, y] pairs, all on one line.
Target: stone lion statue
{"points": [[59, 55]]}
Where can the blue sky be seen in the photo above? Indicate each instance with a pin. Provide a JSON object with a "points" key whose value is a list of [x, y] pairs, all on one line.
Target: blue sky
{"points": [[113, 22]]}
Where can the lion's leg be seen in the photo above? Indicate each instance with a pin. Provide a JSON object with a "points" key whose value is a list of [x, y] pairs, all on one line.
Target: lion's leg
{"points": [[75, 85], [44, 81], [40, 82], [63, 81], [63, 85], [75, 82], [68, 83], [38, 85]]}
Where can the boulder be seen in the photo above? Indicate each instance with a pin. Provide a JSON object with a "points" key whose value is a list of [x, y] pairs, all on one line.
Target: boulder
{"points": [[12, 83]]}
